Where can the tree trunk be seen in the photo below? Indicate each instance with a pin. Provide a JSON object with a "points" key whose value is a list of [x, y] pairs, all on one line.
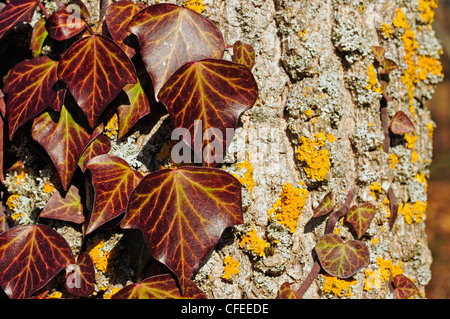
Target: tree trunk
{"points": [[317, 128], [313, 69]]}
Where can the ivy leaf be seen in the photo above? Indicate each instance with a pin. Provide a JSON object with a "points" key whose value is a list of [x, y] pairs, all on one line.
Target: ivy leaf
{"points": [[113, 182], [244, 54], [88, 68], [101, 145], [360, 218], [15, 12], [38, 37], [158, 287], [170, 36], [192, 94], [286, 292], [139, 106], [182, 214], [81, 276], [64, 24], [341, 259], [388, 66], [118, 16], [67, 207], [378, 53], [325, 207], [30, 88], [401, 124], [64, 141], [383, 85], [404, 287], [30, 256]]}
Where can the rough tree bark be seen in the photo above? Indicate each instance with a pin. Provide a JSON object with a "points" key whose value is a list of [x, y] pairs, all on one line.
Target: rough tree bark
{"points": [[318, 96]]}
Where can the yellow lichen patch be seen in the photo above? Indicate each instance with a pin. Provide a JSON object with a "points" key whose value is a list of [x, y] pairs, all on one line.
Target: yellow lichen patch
{"points": [[101, 257], [374, 278], [386, 28], [48, 188], [231, 267], [112, 127], [309, 112], [331, 138], [55, 294], [253, 242], [430, 128], [372, 81], [409, 77], [245, 175], [375, 241], [393, 160], [302, 34], [108, 295], [426, 8], [194, 5], [427, 65], [413, 213], [20, 178], [400, 20], [422, 179], [10, 202], [375, 190], [316, 160], [287, 208], [411, 139], [338, 287]]}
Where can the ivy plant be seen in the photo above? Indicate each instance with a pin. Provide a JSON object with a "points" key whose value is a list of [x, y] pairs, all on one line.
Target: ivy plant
{"points": [[62, 99]]}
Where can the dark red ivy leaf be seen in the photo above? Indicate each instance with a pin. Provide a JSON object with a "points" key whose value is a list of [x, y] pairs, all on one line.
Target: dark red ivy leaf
{"points": [[67, 207], [171, 36], [88, 67], [80, 277], [404, 287], [64, 24], [401, 124], [29, 257], [16, 11], [183, 213], [30, 88], [158, 287]]}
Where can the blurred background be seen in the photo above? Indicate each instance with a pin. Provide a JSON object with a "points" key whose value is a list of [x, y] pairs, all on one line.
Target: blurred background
{"points": [[438, 220]]}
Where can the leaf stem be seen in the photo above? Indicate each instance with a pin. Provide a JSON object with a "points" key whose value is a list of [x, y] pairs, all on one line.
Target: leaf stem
{"points": [[393, 207], [331, 223], [44, 11], [309, 279]]}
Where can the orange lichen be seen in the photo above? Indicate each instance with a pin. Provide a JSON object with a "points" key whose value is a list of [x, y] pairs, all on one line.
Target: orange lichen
{"points": [[112, 127], [108, 295], [375, 190], [374, 278], [20, 177], [10, 202], [48, 188], [428, 65], [101, 257], [231, 267], [253, 242], [386, 28], [430, 128], [426, 7], [372, 81], [316, 160], [245, 175], [287, 208], [411, 139], [393, 160], [194, 5], [338, 286], [413, 213]]}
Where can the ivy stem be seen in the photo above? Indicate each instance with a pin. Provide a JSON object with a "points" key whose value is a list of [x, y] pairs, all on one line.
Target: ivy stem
{"points": [[331, 223], [393, 206], [385, 125], [309, 279], [44, 11]]}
